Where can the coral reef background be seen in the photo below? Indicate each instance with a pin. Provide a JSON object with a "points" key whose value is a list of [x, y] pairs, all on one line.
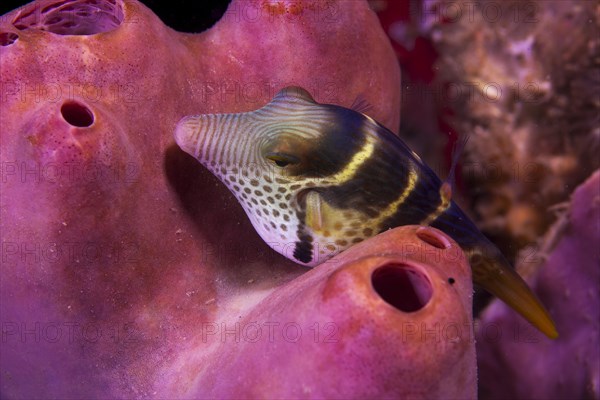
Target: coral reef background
{"points": [[521, 80]]}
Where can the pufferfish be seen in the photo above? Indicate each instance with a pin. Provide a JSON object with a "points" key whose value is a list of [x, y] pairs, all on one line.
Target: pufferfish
{"points": [[314, 179]]}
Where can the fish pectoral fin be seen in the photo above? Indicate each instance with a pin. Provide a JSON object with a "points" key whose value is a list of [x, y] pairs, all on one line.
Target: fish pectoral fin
{"points": [[508, 286], [321, 217], [314, 211]]}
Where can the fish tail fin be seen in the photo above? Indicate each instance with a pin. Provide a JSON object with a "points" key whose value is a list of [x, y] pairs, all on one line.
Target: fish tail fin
{"points": [[492, 272]]}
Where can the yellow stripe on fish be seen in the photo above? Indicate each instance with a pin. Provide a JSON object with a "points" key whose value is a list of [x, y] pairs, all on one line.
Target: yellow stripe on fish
{"points": [[357, 160], [316, 178], [392, 208]]}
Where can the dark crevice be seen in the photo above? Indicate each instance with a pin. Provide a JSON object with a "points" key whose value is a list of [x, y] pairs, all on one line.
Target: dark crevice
{"points": [[189, 16], [402, 286], [8, 38], [181, 15], [77, 114]]}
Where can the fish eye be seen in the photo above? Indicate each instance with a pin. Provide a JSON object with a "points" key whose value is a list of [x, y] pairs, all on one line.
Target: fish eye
{"points": [[282, 159]]}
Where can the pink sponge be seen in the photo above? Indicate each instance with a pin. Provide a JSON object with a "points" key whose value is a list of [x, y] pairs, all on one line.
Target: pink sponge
{"points": [[388, 318]]}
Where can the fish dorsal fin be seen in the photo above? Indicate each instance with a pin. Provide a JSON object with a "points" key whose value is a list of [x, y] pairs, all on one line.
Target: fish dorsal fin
{"points": [[448, 185], [294, 94], [361, 105]]}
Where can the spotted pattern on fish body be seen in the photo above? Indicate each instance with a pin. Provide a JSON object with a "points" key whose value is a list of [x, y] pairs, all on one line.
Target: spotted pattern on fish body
{"points": [[314, 179]]}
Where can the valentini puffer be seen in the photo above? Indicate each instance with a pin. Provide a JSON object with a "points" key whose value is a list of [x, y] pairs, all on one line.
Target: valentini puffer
{"points": [[314, 179]]}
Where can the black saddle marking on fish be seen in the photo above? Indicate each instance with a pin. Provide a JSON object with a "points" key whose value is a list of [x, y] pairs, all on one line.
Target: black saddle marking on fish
{"points": [[455, 223], [304, 246], [303, 251], [374, 186], [422, 202], [339, 142]]}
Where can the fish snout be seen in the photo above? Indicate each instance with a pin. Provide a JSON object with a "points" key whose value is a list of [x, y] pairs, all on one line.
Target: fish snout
{"points": [[187, 134]]}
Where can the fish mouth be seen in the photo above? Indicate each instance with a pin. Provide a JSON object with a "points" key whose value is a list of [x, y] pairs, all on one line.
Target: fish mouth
{"points": [[186, 134]]}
